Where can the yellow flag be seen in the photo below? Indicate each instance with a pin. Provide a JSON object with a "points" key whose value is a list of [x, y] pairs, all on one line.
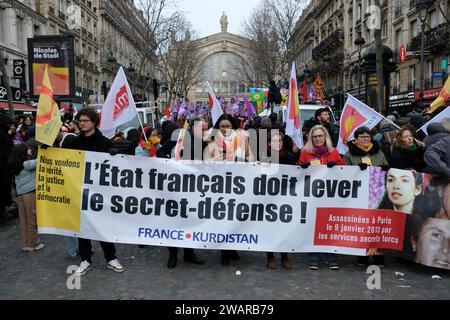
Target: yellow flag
{"points": [[443, 96], [48, 119]]}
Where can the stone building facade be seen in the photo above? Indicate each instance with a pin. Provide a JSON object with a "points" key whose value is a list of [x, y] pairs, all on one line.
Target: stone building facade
{"points": [[224, 57], [107, 35], [324, 42]]}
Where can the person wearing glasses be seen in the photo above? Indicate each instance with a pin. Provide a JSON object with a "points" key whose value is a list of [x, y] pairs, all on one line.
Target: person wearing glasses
{"points": [[319, 151], [364, 151]]}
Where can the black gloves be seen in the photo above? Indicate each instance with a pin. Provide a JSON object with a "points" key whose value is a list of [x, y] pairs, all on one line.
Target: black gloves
{"points": [[331, 164], [305, 165], [385, 168], [113, 151], [363, 166]]}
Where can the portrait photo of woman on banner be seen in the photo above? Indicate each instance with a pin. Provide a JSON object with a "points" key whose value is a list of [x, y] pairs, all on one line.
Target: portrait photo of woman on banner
{"points": [[402, 190], [427, 238], [427, 241]]}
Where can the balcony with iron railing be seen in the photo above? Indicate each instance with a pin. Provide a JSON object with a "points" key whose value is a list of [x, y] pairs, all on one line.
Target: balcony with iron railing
{"points": [[104, 5], [335, 61], [439, 35], [334, 40]]}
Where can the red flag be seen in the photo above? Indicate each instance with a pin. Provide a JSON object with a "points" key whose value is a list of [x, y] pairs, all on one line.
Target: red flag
{"points": [[167, 112], [355, 115], [305, 92]]}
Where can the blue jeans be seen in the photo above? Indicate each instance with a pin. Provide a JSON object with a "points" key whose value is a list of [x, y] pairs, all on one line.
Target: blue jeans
{"points": [[72, 246], [329, 257]]}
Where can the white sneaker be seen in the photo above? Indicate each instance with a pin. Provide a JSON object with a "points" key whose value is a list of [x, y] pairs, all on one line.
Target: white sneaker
{"points": [[40, 246], [115, 266], [83, 268]]}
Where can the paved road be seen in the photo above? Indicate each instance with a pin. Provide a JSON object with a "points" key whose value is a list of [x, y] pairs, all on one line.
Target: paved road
{"points": [[42, 275]]}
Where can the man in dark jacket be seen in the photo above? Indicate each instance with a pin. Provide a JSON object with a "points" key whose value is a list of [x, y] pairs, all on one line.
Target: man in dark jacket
{"points": [[193, 148], [323, 117], [436, 131], [437, 157], [6, 144], [91, 139]]}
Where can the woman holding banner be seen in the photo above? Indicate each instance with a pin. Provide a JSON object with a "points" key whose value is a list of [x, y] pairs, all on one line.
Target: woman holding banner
{"points": [[193, 138], [319, 151], [364, 151], [229, 145], [279, 153]]}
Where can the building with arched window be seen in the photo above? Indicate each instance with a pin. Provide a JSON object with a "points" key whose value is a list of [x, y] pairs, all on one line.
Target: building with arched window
{"points": [[224, 58]]}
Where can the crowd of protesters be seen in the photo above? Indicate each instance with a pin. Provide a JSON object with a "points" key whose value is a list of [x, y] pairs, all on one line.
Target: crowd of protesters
{"points": [[386, 146]]}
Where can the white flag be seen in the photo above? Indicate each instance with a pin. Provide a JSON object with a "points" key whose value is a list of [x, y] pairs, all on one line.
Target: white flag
{"points": [[355, 115], [439, 118], [216, 110], [293, 121], [119, 107]]}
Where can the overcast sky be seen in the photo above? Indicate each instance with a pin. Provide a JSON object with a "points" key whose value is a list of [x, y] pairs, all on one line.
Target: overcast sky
{"points": [[205, 15]]}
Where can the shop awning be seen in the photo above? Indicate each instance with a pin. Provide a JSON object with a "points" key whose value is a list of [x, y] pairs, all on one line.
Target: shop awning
{"points": [[17, 107]]}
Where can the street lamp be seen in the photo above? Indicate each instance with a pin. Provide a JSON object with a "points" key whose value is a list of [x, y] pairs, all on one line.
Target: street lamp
{"points": [[359, 42], [422, 7]]}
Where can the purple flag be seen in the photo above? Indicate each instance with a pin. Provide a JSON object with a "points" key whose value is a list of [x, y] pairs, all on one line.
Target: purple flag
{"points": [[250, 108]]}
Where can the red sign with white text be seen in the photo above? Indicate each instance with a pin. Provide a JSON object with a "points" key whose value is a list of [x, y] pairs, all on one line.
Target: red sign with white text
{"points": [[402, 54], [360, 228]]}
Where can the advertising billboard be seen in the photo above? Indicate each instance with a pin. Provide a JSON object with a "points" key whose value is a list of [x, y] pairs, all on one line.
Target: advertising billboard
{"points": [[58, 53]]}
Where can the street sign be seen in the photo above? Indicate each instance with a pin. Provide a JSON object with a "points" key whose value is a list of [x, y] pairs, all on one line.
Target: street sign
{"points": [[19, 69], [16, 92], [437, 75], [319, 83], [402, 54]]}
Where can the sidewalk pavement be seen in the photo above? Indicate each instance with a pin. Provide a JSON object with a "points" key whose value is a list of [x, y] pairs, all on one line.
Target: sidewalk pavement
{"points": [[43, 275]]}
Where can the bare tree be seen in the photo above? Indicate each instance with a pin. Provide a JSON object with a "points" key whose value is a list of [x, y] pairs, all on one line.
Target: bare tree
{"points": [[179, 62], [161, 21], [271, 26]]}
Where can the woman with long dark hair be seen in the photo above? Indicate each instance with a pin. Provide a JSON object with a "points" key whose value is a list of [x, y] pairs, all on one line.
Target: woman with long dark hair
{"points": [[229, 145]]}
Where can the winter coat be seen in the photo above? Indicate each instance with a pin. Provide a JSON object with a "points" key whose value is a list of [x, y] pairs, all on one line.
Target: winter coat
{"points": [[355, 155], [26, 179], [284, 157], [408, 160], [437, 157], [436, 131], [6, 141], [97, 142], [333, 156]]}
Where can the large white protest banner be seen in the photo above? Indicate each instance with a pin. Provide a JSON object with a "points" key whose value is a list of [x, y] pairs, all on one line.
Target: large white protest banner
{"points": [[124, 199]]}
